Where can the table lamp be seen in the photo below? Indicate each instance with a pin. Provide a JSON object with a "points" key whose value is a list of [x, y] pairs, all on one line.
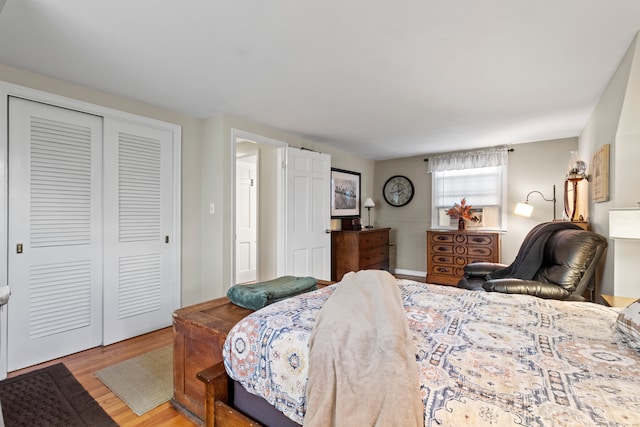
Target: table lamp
{"points": [[369, 204]]}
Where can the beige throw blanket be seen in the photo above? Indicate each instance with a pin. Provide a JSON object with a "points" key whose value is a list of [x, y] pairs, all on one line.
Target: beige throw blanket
{"points": [[362, 366]]}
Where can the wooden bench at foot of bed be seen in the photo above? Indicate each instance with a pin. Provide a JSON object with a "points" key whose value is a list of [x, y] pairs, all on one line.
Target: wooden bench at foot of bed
{"points": [[199, 332], [217, 411]]}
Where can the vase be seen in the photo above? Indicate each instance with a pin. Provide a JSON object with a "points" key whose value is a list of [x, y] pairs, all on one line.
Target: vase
{"points": [[461, 224]]}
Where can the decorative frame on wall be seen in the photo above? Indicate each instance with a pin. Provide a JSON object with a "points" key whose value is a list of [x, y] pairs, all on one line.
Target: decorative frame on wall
{"points": [[345, 193], [600, 174]]}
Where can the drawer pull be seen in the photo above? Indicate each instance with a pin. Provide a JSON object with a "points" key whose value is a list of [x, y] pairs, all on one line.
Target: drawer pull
{"points": [[441, 237], [478, 239], [442, 259], [442, 270], [442, 248]]}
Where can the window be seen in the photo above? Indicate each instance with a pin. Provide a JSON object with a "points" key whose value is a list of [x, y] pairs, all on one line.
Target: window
{"points": [[478, 177]]}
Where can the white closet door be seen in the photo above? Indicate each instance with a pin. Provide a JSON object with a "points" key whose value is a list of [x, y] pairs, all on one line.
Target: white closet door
{"points": [[308, 214], [138, 235], [54, 232]]}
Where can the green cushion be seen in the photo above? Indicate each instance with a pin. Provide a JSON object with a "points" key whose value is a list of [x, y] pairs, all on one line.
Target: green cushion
{"points": [[257, 295]]}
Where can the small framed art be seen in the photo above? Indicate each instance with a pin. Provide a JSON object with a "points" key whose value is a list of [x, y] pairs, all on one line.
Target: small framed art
{"points": [[600, 175]]}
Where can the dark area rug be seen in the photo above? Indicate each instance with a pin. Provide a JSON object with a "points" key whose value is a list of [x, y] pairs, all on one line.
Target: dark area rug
{"points": [[50, 396]]}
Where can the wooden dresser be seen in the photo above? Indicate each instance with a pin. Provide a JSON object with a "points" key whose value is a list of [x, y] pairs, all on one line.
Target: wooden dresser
{"points": [[448, 251], [359, 250]]}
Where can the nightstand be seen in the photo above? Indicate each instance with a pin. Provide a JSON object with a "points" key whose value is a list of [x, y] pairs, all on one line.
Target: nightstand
{"points": [[614, 301]]}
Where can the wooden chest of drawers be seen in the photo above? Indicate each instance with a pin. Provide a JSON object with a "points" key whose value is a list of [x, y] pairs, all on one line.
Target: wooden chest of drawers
{"points": [[359, 250], [449, 251]]}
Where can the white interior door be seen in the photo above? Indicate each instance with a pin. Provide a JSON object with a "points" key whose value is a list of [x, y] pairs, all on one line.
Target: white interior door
{"points": [[138, 234], [246, 219], [308, 217], [55, 247]]}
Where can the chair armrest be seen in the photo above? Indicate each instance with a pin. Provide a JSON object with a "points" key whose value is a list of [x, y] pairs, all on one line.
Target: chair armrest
{"points": [[481, 269], [527, 287]]}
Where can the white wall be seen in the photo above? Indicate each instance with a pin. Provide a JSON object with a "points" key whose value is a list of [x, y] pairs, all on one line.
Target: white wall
{"points": [[408, 223], [534, 166], [615, 121]]}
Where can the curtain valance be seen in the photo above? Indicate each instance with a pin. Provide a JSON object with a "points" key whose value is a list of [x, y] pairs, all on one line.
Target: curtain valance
{"points": [[487, 157]]}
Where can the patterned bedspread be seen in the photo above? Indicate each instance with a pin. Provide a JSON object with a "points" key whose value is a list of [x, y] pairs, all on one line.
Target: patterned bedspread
{"points": [[485, 359]]}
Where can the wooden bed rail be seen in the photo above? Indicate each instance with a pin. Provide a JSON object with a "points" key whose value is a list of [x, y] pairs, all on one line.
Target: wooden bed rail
{"points": [[218, 413]]}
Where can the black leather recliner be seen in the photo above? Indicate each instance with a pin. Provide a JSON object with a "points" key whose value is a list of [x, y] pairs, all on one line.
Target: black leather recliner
{"points": [[557, 260]]}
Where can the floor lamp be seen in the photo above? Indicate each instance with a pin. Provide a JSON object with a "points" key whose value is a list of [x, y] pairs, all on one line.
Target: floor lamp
{"points": [[525, 209]]}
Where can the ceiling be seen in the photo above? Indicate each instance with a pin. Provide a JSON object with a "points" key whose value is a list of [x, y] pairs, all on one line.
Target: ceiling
{"points": [[378, 78]]}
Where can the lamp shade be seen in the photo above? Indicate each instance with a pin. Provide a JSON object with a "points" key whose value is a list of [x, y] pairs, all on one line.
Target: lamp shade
{"points": [[368, 203], [523, 209], [624, 223]]}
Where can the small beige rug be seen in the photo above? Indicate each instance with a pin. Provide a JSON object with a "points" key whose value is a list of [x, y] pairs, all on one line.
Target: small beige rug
{"points": [[143, 382]]}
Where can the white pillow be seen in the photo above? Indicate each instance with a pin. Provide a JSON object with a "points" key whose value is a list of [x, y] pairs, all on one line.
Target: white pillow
{"points": [[628, 321]]}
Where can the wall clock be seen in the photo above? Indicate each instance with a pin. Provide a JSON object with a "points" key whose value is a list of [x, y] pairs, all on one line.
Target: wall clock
{"points": [[398, 190]]}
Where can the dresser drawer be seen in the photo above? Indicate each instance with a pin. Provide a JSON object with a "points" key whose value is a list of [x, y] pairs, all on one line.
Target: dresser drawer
{"points": [[441, 259], [382, 265], [483, 252], [374, 240], [442, 249], [441, 238], [478, 239], [375, 255], [443, 270]]}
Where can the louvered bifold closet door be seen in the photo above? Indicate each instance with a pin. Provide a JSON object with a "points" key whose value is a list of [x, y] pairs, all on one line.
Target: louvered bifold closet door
{"points": [[138, 230], [54, 232]]}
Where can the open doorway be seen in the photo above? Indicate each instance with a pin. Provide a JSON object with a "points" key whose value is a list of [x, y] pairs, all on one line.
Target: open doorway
{"points": [[293, 214], [258, 195], [247, 214]]}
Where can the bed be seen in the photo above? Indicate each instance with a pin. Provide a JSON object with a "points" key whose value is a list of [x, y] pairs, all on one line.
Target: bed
{"points": [[483, 359]]}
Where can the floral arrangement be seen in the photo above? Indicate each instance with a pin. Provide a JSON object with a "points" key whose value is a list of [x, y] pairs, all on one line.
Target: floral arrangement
{"points": [[462, 211]]}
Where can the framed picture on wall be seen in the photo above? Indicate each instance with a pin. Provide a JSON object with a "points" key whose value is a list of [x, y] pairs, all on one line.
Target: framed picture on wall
{"points": [[600, 175], [345, 193]]}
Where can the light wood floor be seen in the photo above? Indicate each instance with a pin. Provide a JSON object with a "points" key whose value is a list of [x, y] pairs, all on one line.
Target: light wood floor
{"points": [[85, 363]]}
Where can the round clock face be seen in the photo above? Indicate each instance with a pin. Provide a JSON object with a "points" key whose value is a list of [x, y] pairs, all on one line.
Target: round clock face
{"points": [[398, 190]]}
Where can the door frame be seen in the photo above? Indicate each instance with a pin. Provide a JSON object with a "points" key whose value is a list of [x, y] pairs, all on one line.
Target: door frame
{"points": [[280, 196], [10, 89]]}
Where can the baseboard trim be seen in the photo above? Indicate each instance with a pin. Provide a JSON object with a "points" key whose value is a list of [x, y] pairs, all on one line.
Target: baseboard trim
{"points": [[409, 272]]}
